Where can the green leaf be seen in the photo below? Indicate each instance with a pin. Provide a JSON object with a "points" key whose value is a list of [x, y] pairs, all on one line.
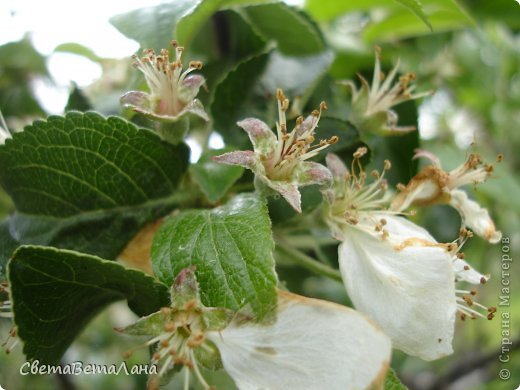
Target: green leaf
{"points": [[231, 247], [77, 100], [416, 7], [19, 64], [392, 382], [78, 49], [443, 15], [192, 21], [293, 30], [55, 293], [22, 55], [345, 131], [152, 27], [230, 95], [297, 76], [7, 245], [215, 179], [399, 149], [86, 182]]}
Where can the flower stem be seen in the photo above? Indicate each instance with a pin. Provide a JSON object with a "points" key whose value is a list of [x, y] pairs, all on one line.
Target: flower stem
{"points": [[307, 261]]}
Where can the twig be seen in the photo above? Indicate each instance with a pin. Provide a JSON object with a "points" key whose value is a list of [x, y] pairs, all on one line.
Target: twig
{"points": [[307, 261]]}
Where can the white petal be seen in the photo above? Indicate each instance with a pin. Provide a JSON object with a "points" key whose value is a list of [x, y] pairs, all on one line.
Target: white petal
{"points": [[195, 107], [260, 134], [336, 166], [289, 191], [463, 271], [424, 189], [312, 345], [474, 216], [308, 172], [409, 292]]}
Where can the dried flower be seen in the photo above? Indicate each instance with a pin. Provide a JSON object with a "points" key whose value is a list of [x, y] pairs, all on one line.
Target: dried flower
{"points": [[433, 185], [371, 104]]}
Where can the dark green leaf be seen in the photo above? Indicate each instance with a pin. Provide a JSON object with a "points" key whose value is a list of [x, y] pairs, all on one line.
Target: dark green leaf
{"points": [[230, 95], [280, 212], [345, 131], [293, 30], [87, 182], [7, 245], [231, 246], [77, 100], [55, 293], [215, 179], [392, 382], [153, 27], [399, 149]]}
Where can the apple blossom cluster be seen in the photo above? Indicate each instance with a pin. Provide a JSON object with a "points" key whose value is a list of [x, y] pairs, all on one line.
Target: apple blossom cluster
{"points": [[310, 343], [404, 284], [394, 270]]}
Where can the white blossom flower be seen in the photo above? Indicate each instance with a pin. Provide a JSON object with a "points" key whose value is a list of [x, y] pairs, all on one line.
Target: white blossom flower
{"points": [[394, 271], [371, 104], [311, 344], [279, 161], [172, 89], [3, 135], [6, 311], [4, 131], [5, 303], [433, 185]]}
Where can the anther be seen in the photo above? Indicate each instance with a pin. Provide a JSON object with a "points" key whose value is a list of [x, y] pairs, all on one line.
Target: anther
{"points": [[360, 152], [196, 65]]}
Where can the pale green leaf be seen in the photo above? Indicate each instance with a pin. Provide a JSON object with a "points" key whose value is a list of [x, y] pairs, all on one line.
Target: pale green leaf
{"points": [[415, 6], [392, 382]]}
